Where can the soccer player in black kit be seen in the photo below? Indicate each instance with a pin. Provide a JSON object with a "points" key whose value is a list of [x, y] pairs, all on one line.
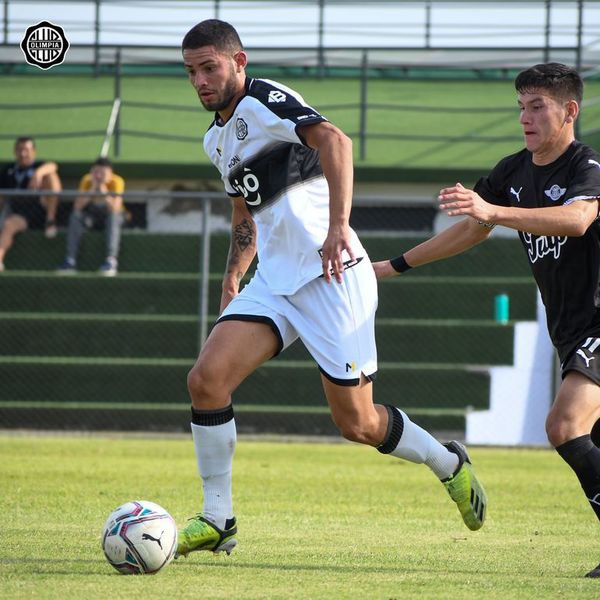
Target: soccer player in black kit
{"points": [[549, 193]]}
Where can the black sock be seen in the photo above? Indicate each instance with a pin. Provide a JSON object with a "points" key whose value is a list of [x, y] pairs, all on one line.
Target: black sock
{"points": [[584, 458], [212, 417], [394, 431]]}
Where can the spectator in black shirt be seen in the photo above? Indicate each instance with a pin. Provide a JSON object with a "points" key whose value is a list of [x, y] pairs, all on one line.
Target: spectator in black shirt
{"points": [[23, 212]]}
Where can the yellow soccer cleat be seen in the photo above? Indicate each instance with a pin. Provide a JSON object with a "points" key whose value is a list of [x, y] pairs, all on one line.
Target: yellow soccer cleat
{"points": [[201, 534], [464, 488]]}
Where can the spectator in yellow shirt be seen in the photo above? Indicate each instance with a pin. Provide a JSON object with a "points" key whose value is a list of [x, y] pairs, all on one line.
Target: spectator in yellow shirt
{"points": [[104, 210]]}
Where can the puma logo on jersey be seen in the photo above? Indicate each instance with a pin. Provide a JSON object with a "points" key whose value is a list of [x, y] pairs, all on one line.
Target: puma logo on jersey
{"points": [[516, 193], [277, 96], [585, 357], [555, 192], [593, 162]]}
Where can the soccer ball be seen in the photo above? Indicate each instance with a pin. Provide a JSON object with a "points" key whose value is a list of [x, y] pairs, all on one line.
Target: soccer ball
{"points": [[139, 537]]}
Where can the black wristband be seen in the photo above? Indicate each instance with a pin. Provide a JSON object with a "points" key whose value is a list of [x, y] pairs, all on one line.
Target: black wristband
{"points": [[399, 264]]}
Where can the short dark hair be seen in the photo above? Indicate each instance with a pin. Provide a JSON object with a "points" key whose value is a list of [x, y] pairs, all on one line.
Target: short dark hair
{"points": [[560, 81], [24, 139], [102, 161], [213, 32]]}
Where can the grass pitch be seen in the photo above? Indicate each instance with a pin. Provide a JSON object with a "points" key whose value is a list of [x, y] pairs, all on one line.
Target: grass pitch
{"points": [[318, 521]]}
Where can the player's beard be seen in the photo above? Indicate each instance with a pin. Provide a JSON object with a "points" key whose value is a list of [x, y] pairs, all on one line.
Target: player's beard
{"points": [[225, 97]]}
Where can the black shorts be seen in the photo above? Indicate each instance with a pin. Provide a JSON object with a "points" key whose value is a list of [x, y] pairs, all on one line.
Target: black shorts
{"points": [[31, 210], [585, 359]]}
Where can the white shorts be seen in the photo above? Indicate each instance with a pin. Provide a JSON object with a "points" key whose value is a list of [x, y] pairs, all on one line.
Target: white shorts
{"points": [[336, 322]]}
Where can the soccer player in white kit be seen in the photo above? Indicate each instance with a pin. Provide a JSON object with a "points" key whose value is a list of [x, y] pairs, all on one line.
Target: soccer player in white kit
{"points": [[289, 173]]}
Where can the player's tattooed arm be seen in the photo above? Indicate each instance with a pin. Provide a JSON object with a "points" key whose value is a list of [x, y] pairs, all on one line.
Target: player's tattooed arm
{"points": [[243, 238], [242, 250]]}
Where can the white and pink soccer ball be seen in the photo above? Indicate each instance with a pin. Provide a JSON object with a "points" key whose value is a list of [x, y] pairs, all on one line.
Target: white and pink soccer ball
{"points": [[139, 537]]}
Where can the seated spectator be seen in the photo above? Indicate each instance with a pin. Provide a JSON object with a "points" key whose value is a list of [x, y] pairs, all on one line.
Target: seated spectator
{"points": [[22, 212], [104, 210]]}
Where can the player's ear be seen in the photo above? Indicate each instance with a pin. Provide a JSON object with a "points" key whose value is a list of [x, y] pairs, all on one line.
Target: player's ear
{"points": [[241, 60], [572, 111]]}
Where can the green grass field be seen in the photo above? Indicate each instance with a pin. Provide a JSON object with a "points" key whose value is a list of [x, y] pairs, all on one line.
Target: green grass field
{"points": [[329, 96], [317, 521]]}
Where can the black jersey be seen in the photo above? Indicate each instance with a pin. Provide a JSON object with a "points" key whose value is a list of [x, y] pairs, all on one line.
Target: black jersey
{"points": [[15, 177], [566, 269]]}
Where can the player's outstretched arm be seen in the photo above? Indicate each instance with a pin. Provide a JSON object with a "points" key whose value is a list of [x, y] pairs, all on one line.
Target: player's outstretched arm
{"points": [[452, 241], [571, 219], [242, 250]]}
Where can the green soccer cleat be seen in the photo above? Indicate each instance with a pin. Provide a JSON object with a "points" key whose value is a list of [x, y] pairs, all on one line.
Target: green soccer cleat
{"points": [[464, 488], [201, 534]]}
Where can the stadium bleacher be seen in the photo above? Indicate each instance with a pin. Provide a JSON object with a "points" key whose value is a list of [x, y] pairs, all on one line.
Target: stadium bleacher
{"points": [[113, 353]]}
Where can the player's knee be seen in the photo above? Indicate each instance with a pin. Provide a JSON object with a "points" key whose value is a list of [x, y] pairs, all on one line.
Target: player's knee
{"points": [[559, 429], [204, 385], [359, 431], [196, 381]]}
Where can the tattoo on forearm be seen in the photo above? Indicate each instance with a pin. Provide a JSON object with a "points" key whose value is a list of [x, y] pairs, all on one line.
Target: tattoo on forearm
{"points": [[242, 239], [243, 234]]}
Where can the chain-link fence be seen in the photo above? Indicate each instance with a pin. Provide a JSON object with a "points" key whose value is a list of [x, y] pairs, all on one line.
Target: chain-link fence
{"points": [[93, 352]]}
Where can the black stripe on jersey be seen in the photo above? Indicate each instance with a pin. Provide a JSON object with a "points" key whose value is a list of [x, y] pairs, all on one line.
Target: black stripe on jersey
{"points": [[282, 103], [262, 179]]}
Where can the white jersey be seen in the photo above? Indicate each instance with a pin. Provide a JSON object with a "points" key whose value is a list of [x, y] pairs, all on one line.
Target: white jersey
{"points": [[262, 157]]}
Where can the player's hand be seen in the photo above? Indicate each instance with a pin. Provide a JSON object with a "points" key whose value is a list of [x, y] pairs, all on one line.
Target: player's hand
{"points": [[338, 240], [458, 200], [383, 269]]}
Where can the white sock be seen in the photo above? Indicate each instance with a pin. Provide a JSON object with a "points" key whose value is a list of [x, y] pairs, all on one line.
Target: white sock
{"points": [[418, 446], [215, 446]]}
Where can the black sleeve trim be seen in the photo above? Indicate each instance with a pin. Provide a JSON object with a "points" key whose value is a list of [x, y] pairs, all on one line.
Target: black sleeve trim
{"points": [[299, 126]]}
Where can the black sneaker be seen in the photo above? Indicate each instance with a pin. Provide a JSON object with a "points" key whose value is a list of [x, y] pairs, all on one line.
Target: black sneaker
{"points": [[594, 573]]}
